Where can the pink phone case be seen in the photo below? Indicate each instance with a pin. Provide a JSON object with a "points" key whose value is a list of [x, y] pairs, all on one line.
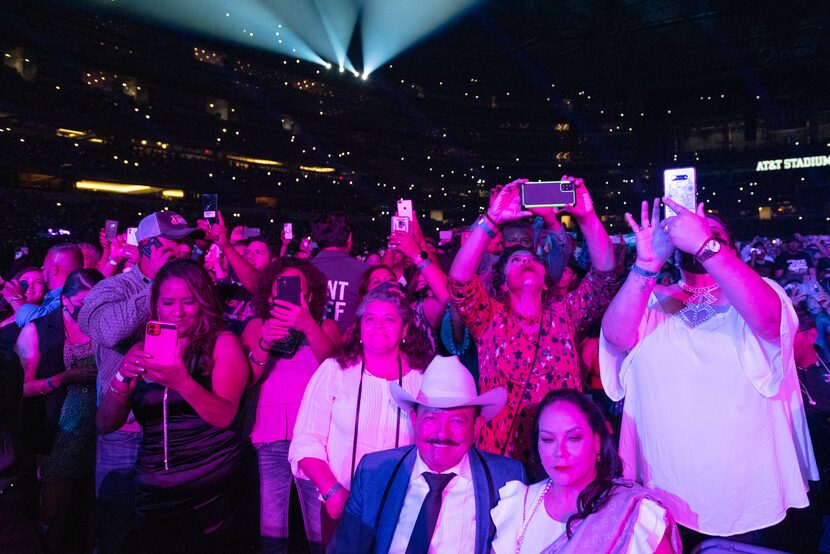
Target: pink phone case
{"points": [[161, 341]]}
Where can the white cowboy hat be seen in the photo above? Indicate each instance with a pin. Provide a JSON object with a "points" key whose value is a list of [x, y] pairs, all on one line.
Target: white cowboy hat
{"points": [[448, 384]]}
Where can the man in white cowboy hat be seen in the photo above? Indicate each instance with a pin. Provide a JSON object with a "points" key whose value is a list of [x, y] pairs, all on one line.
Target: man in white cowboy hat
{"points": [[434, 496]]}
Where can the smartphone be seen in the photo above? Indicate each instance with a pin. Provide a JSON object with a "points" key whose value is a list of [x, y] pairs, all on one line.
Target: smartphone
{"points": [[161, 341], [250, 232], [147, 249], [111, 229], [24, 286], [131, 231], [400, 223], [20, 252], [405, 209], [288, 289], [680, 185], [548, 194], [444, 237], [288, 231], [210, 208], [807, 289]]}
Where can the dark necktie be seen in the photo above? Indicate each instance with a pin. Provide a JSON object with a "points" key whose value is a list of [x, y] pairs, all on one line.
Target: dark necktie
{"points": [[428, 516]]}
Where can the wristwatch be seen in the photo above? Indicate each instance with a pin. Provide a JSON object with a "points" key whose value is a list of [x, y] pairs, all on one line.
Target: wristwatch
{"points": [[709, 249], [423, 256]]}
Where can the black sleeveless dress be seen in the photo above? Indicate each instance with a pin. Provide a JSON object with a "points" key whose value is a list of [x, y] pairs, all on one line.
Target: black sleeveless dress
{"points": [[193, 503]]}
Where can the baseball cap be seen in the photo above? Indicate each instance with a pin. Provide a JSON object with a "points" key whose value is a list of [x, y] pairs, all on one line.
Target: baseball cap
{"points": [[169, 225]]}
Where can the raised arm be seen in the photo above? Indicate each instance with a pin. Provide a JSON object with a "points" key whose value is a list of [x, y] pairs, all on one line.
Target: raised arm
{"points": [[506, 206], [596, 238], [248, 275], [749, 294], [621, 320]]}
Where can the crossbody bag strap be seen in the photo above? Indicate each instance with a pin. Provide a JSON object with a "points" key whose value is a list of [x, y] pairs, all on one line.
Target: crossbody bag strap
{"points": [[398, 413], [524, 388], [357, 420]]}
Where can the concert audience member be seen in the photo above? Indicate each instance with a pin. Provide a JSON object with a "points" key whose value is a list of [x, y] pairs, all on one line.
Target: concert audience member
{"points": [[427, 283], [114, 315], [17, 527], [794, 264], [60, 261], [91, 255], [333, 236], [189, 496], [582, 505], [59, 386], [712, 417], [434, 496], [373, 258], [286, 343], [527, 337], [373, 278], [763, 264], [16, 294], [234, 252], [347, 409]]}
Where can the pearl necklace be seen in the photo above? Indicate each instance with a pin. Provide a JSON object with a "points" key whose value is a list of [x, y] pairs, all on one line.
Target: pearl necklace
{"points": [[526, 522], [698, 307]]}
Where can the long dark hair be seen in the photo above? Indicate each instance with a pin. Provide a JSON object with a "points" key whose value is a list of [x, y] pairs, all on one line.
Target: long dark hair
{"points": [[318, 293], [210, 323], [415, 344], [609, 467]]}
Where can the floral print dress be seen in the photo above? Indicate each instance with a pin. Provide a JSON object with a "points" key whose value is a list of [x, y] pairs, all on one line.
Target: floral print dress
{"points": [[506, 353]]}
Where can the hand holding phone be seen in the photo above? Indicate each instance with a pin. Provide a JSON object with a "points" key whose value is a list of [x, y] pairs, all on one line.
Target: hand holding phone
{"points": [[680, 185], [111, 229], [210, 208], [163, 365]]}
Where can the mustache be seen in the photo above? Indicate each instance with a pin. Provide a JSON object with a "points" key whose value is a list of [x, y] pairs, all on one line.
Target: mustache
{"points": [[442, 442]]}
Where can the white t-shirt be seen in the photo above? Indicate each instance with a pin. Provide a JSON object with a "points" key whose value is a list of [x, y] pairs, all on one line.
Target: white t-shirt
{"points": [[713, 420]]}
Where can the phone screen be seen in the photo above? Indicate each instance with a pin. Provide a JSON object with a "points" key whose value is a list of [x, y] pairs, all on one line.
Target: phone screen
{"points": [[548, 194], [160, 341], [210, 207], [147, 249], [131, 238], [288, 289], [111, 229], [288, 231], [680, 185]]}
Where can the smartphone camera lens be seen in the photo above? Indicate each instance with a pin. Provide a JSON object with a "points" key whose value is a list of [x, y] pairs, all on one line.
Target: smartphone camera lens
{"points": [[153, 329], [567, 186]]}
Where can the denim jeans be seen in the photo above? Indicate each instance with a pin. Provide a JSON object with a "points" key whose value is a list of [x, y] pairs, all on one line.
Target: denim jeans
{"points": [[275, 492], [115, 491]]}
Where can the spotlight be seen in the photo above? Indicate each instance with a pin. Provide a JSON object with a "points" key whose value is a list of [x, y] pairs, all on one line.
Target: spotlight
{"points": [[355, 73], [364, 76], [341, 69], [328, 65]]}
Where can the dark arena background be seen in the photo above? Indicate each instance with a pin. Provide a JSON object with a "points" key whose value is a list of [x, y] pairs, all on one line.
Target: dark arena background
{"points": [[110, 110]]}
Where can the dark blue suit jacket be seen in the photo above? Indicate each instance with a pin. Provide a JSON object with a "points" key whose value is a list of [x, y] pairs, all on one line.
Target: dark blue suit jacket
{"points": [[379, 487]]}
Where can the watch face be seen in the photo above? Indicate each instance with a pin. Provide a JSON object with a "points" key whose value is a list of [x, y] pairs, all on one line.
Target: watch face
{"points": [[713, 245]]}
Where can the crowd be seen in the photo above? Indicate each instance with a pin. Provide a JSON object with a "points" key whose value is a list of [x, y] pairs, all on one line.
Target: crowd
{"points": [[511, 388]]}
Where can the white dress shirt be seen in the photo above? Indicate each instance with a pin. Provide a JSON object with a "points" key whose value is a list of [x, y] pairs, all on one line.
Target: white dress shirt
{"points": [[455, 530], [325, 422]]}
